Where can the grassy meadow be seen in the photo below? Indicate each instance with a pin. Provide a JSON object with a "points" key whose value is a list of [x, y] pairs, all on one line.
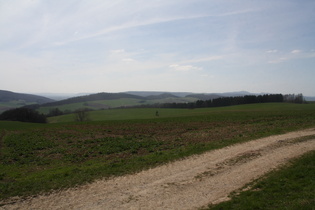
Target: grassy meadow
{"points": [[113, 103], [12, 104], [36, 158], [150, 113]]}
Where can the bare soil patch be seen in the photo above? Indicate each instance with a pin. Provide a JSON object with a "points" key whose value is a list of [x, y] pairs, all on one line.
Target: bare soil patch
{"points": [[186, 184]]}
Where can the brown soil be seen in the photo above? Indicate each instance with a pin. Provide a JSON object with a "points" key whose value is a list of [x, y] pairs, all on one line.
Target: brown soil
{"points": [[186, 184]]}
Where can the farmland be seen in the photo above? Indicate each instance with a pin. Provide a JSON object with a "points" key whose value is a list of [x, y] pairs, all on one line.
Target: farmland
{"points": [[220, 112], [38, 158], [114, 103]]}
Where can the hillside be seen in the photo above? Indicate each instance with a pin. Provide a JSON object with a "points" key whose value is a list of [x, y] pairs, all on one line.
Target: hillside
{"points": [[7, 96], [93, 97], [144, 97], [9, 100], [154, 93], [161, 96], [204, 96], [104, 100]]}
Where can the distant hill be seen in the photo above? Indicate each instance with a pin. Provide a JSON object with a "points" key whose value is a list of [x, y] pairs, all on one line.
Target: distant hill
{"points": [[154, 93], [110, 96], [7, 96], [190, 94], [309, 98], [10, 100], [128, 99], [93, 97], [111, 100], [161, 96], [105, 100], [204, 96], [236, 93], [62, 96]]}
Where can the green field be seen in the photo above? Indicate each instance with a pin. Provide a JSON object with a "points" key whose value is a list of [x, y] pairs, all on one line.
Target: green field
{"points": [[13, 104], [149, 113], [37, 158], [114, 103]]}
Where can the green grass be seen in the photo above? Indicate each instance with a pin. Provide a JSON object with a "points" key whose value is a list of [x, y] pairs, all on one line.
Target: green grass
{"points": [[14, 125], [292, 187], [149, 113], [131, 114], [16, 103], [122, 102], [94, 105], [12, 104], [37, 158]]}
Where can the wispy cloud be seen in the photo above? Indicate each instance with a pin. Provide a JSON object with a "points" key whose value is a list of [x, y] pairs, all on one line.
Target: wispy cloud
{"points": [[279, 60], [296, 51], [204, 59], [184, 68], [128, 60], [117, 51], [271, 51], [128, 23], [292, 55]]}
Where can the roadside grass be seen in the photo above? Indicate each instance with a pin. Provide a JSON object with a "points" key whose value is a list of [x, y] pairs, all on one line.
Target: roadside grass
{"points": [[38, 158], [291, 187]]}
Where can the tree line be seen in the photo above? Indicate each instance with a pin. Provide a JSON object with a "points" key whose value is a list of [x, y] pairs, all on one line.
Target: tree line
{"points": [[234, 100], [23, 115]]}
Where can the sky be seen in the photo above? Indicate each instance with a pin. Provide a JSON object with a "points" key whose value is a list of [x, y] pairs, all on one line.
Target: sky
{"points": [[200, 46]]}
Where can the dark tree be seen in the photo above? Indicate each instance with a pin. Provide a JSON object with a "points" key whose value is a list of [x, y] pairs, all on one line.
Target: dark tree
{"points": [[54, 112], [292, 98], [299, 99], [23, 115], [81, 115]]}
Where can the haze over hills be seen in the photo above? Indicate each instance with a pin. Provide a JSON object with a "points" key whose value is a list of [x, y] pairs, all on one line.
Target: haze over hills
{"points": [[94, 97], [145, 95], [186, 94], [9, 100], [113, 100], [63, 96], [102, 100]]}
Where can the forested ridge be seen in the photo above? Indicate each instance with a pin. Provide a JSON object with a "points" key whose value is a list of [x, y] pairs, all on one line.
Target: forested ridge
{"points": [[235, 100]]}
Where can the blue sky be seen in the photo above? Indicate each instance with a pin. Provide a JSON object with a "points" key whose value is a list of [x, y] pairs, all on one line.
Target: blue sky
{"points": [[201, 46]]}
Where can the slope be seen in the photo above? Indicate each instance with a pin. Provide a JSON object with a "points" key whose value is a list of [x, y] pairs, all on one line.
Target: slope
{"points": [[9, 100]]}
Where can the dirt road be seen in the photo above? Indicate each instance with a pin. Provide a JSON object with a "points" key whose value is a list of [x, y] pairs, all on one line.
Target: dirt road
{"points": [[187, 184]]}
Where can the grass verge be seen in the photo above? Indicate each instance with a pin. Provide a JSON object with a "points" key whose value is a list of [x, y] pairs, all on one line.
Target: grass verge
{"points": [[291, 187]]}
